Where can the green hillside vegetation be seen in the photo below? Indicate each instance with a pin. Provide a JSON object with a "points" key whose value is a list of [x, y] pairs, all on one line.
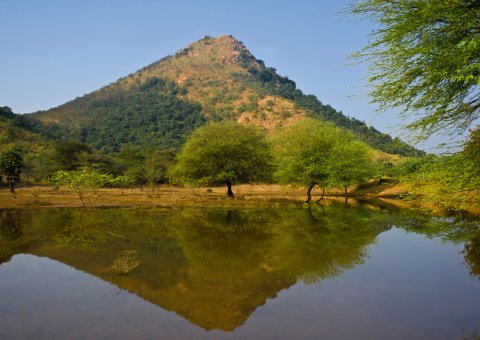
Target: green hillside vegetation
{"points": [[269, 83], [148, 115], [16, 133], [211, 79]]}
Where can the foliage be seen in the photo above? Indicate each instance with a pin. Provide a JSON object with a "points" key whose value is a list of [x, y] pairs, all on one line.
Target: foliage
{"points": [[147, 166], [10, 226], [10, 167], [311, 153], [147, 115], [472, 146], [17, 133], [156, 166], [223, 152], [301, 152], [70, 154], [451, 181], [350, 163], [424, 58], [276, 85], [86, 182], [471, 255]]}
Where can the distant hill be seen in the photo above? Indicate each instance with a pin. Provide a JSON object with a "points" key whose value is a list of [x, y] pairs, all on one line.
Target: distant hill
{"points": [[211, 79], [17, 133]]}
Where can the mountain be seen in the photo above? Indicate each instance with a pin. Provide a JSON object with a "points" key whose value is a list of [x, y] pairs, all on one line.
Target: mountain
{"points": [[211, 79]]}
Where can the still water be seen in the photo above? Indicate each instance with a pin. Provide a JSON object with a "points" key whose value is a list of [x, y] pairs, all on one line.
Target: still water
{"points": [[268, 272]]}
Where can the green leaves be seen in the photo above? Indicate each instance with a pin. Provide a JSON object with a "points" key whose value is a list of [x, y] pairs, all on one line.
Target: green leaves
{"points": [[219, 152], [450, 181], [85, 182], [424, 57], [87, 178], [11, 164], [350, 162], [314, 152]]}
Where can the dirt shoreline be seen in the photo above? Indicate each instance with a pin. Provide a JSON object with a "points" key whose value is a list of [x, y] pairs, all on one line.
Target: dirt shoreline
{"points": [[42, 196], [48, 196]]}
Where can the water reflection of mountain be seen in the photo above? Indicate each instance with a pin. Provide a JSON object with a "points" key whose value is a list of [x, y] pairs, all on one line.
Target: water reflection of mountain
{"points": [[213, 266]]}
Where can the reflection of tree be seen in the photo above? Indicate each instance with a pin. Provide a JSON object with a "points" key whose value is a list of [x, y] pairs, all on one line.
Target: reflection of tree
{"points": [[92, 239], [10, 226], [238, 258], [11, 230], [471, 255], [215, 266], [456, 228], [314, 249]]}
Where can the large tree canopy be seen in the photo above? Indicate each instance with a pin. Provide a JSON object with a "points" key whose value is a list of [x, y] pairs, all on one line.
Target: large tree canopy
{"points": [[302, 152], [425, 59], [311, 152], [223, 152]]}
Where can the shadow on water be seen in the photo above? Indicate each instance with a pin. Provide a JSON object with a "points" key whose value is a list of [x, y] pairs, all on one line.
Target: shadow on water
{"points": [[215, 266]]}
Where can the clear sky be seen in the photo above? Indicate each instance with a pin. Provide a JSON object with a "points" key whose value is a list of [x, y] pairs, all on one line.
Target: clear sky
{"points": [[55, 50]]}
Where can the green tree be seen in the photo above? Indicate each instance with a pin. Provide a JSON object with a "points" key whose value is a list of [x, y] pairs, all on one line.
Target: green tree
{"points": [[350, 162], [156, 166], [85, 183], [452, 181], [10, 168], [302, 153], [472, 146], [424, 57], [224, 152], [69, 154], [130, 160]]}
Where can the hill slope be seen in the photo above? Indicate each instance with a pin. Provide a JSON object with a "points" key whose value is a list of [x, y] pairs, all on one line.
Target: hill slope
{"points": [[16, 133], [213, 78]]}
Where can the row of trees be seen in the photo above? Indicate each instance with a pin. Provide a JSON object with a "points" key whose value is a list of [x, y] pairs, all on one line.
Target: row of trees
{"points": [[306, 153]]}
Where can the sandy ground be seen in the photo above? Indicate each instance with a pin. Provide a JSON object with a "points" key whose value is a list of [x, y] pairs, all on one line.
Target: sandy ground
{"points": [[47, 196]]}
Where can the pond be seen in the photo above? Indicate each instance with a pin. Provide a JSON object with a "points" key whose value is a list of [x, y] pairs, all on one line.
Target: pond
{"points": [[277, 271]]}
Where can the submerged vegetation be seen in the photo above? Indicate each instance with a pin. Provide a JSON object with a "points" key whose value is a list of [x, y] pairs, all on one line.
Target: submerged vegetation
{"points": [[125, 263]]}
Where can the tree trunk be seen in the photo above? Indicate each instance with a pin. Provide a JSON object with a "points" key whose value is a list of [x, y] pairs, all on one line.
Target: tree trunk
{"points": [[309, 192], [229, 189], [323, 194], [12, 189]]}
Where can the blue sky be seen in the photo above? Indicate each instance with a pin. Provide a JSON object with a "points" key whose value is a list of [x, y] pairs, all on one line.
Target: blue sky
{"points": [[55, 50]]}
